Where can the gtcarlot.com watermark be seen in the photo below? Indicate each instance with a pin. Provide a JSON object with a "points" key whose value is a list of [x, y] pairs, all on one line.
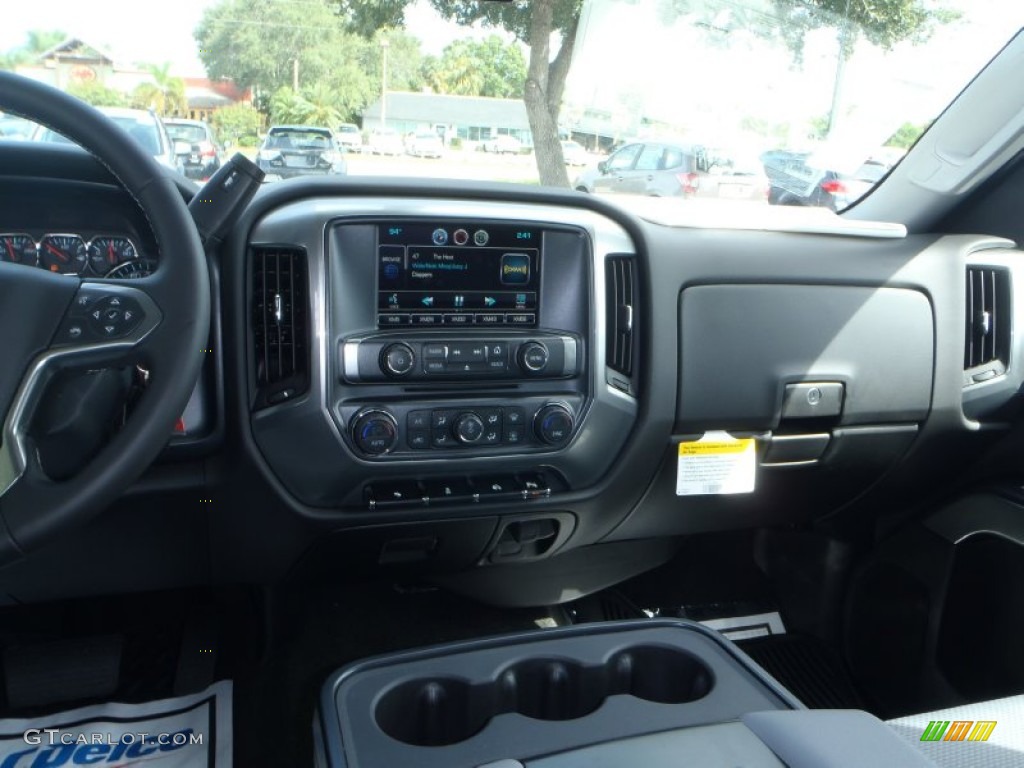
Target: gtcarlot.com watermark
{"points": [[57, 747], [54, 736]]}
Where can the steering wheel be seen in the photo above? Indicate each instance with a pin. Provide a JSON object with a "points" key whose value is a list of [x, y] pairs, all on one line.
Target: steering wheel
{"points": [[51, 322]]}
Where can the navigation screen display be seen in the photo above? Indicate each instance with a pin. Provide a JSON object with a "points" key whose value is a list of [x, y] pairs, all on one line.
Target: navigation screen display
{"points": [[457, 274]]}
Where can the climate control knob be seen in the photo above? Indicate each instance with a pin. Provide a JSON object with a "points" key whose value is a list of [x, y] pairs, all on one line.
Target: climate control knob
{"points": [[374, 432], [397, 359], [533, 356], [553, 424], [468, 428]]}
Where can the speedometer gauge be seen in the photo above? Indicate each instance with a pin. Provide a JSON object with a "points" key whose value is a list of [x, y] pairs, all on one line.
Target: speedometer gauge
{"points": [[65, 254], [105, 253], [20, 249]]}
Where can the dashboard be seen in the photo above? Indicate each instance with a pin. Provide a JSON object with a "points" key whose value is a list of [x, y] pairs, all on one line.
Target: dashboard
{"points": [[407, 374]]}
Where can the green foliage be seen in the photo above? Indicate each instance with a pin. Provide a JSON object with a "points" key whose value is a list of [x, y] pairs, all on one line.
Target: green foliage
{"points": [[38, 41], [514, 17], [98, 95], [883, 23], [257, 42], [489, 67], [236, 123], [906, 135], [165, 95]]}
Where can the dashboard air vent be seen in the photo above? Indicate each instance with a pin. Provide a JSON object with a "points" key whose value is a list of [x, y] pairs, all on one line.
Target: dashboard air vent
{"points": [[620, 279], [987, 339], [280, 324]]}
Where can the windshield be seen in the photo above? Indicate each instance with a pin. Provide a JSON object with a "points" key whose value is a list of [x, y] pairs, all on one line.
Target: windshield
{"points": [[815, 99]]}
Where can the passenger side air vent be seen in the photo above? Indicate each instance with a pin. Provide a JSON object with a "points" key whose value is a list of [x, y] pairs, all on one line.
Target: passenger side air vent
{"points": [[280, 323], [988, 326], [620, 308]]}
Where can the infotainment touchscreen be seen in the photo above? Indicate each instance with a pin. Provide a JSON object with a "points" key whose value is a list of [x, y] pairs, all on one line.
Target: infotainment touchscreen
{"points": [[457, 274]]}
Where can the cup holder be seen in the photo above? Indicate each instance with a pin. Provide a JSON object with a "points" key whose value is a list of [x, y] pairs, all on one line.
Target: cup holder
{"points": [[660, 674], [552, 689], [446, 710], [434, 713]]}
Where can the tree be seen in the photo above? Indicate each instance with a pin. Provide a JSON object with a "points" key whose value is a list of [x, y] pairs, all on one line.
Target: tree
{"points": [[38, 41], [534, 23], [97, 94], [165, 95], [490, 67], [906, 135], [268, 44], [236, 121]]}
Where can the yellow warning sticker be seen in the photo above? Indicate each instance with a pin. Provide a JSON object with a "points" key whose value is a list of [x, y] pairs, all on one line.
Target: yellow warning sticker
{"points": [[718, 463]]}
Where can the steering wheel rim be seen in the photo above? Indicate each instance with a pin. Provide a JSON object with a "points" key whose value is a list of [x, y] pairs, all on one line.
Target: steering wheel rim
{"points": [[174, 306]]}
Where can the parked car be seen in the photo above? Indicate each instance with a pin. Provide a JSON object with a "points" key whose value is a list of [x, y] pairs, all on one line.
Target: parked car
{"points": [[385, 141], [574, 153], [16, 128], [797, 178], [670, 169], [300, 150], [424, 144], [143, 125], [205, 154], [503, 145], [350, 137]]}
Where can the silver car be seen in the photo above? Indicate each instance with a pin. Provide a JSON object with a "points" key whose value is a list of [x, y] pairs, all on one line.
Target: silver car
{"points": [[144, 126]]}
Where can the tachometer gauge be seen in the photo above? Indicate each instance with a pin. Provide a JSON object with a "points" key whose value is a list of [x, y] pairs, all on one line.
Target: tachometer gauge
{"points": [[65, 254], [132, 269], [105, 253], [20, 249]]}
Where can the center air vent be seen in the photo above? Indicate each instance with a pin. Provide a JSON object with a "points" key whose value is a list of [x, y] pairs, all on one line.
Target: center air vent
{"points": [[280, 324], [988, 323], [620, 279]]}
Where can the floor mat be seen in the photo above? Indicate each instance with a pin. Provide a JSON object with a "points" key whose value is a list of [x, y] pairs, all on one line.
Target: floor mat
{"points": [[812, 670], [191, 731]]}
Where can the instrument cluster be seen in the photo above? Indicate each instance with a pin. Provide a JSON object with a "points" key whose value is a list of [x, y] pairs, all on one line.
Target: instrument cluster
{"points": [[103, 255]]}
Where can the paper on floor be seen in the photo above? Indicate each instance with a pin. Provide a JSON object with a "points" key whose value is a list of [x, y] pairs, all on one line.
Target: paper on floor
{"points": [[184, 732]]}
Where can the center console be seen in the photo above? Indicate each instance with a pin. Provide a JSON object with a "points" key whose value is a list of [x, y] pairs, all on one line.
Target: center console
{"points": [[657, 693], [458, 352]]}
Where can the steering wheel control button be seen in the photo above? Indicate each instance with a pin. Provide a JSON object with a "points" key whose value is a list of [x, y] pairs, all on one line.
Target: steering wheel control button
{"points": [[468, 428], [397, 360], [533, 356], [375, 432], [553, 424], [114, 316]]}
